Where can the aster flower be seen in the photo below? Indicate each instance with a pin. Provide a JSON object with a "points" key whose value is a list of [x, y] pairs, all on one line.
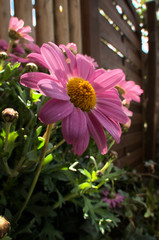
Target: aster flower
{"points": [[114, 201], [129, 91], [84, 99], [17, 31]]}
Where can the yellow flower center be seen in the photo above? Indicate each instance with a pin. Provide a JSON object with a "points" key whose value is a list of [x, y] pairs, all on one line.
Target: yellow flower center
{"points": [[81, 93]]}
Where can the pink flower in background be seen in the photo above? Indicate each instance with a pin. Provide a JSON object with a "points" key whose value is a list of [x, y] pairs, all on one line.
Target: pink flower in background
{"points": [[114, 201], [130, 91], [84, 99], [3, 45], [129, 114], [32, 47], [16, 29]]}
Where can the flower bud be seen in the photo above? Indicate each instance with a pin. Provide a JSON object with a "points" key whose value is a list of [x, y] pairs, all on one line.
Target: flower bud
{"points": [[4, 227], [31, 67], [113, 154], [9, 115], [14, 35], [3, 55]]}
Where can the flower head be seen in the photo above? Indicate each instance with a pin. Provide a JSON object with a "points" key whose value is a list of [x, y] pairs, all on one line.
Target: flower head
{"points": [[17, 31], [85, 99], [129, 91], [4, 227], [113, 201]]}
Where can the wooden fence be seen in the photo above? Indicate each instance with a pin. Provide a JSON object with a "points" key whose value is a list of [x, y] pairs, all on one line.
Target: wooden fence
{"points": [[113, 38], [107, 30]]}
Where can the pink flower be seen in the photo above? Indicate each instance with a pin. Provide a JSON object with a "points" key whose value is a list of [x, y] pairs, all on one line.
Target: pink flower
{"points": [[84, 99], [114, 201], [3, 45], [16, 29], [129, 114], [129, 90], [32, 47]]}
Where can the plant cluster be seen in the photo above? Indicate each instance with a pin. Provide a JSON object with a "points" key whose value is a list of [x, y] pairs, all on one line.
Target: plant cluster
{"points": [[65, 186]]}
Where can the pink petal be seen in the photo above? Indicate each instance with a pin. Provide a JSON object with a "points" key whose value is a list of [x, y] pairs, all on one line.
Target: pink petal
{"points": [[55, 110], [108, 80], [38, 59], [19, 25], [84, 67], [26, 29], [13, 21], [74, 126], [52, 89], [71, 58], [96, 74], [97, 133], [111, 126], [56, 61], [27, 37], [31, 79], [112, 110], [80, 147]]}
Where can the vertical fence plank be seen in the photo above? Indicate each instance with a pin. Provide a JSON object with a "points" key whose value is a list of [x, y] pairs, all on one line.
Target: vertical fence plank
{"points": [[44, 21], [90, 28], [61, 22], [152, 81], [4, 18], [23, 10], [75, 23]]}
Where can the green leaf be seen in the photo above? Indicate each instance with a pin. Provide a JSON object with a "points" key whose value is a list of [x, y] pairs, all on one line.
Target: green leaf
{"points": [[85, 185], [38, 131], [11, 141], [86, 173], [42, 142], [47, 159]]}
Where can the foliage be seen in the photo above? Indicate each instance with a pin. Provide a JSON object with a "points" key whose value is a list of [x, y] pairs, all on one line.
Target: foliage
{"points": [[68, 200]]}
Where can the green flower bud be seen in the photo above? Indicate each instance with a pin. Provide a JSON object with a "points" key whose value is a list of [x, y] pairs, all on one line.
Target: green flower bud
{"points": [[31, 67], [3, 55], [14, 35]]}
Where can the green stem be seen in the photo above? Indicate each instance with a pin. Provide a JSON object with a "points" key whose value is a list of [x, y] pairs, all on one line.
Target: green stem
{"points": [[48, 132], [55, 147], [66, 198], [10, 46], [109, 162], [8, 125]]}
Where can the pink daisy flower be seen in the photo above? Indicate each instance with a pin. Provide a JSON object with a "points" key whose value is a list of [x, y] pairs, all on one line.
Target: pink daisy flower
{"points": [[114, 201], [84, 99], [16, 29], [129, 91]]}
